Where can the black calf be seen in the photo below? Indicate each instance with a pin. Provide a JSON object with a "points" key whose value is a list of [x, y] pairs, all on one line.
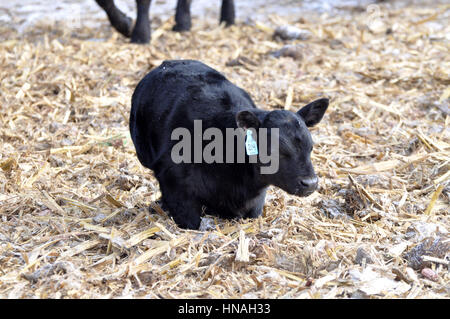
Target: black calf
{"points": [[177, 93]]}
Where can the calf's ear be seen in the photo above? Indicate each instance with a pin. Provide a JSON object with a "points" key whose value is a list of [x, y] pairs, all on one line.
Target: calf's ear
{"points": [[313, 112], [247, 119]]}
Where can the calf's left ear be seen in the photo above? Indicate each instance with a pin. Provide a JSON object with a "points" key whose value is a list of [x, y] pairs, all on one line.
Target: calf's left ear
{"points": [[247, 119], [313, 112]]}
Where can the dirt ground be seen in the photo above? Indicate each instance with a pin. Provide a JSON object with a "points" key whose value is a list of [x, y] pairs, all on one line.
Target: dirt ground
{"points": [[74, 199]]}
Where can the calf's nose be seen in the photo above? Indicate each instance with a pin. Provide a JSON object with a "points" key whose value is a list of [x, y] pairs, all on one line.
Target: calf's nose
{"points": [[309, 182]]}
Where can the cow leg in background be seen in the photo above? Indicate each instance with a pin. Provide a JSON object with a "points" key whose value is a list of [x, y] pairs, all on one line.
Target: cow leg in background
{"points": [[117, 18], [183, 16], [141, 31], [227, 12]]}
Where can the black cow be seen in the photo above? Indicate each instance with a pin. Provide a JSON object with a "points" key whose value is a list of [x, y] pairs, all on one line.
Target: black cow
{"points": [[175, 95], [141, 31]]}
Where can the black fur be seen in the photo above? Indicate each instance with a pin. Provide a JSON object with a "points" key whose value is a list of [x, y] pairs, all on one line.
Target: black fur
{"points": [[175, 94]]}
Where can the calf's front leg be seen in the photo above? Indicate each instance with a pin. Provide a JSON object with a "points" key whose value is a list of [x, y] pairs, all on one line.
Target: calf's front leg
{"points": [[182, 205]]}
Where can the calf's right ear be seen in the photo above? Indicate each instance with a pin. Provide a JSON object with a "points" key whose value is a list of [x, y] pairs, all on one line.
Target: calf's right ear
{"points": [[313, 112], [247, 119]]}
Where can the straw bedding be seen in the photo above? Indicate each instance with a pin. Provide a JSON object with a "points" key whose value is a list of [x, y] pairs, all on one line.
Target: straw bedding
{"points": [[74, 200]]}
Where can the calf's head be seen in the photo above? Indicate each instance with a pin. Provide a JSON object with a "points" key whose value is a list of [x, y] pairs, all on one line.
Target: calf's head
{"points": [[295, 172]]}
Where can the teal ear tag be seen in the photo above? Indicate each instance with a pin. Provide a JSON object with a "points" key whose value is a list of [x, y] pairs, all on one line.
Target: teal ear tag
{"points": [[250, 144]]}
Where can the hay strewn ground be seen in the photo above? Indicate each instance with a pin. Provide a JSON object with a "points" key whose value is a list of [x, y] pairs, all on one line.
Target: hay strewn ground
{"points": [[74, 199]]}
